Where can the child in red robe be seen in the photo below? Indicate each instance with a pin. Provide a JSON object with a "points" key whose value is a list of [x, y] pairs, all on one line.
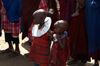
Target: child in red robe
{"points": [[60, 51], [40, 31]]}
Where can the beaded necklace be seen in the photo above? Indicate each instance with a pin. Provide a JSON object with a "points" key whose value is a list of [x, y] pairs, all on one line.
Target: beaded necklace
{"points": [[65, 34], [41, 27]]}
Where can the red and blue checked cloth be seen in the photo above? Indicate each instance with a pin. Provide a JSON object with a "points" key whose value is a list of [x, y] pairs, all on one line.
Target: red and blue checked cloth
{"points": [[9, 27], [43, 5]]}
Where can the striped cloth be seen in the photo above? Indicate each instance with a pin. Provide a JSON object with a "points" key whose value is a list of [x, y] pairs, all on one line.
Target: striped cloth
{"points": [[9, 27], [38, 50], [43, 5]]}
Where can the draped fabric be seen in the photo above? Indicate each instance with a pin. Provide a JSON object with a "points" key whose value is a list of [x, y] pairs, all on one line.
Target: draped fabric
{"points": [[78, 34], [63, 10], [70, 9], [66, 9], [93, 26], [28, 7], [0, 4], [59, 56], [14, 9], [38, 50], [0, 17], [9, 27], [55, 16]]}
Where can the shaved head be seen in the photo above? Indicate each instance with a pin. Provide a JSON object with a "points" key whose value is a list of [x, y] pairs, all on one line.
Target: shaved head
{"points": [[39, 16], [40, 12], [62, 24]]}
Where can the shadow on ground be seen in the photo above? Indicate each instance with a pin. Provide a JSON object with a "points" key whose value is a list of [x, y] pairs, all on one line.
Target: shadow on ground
{"points": [[17, 61]]}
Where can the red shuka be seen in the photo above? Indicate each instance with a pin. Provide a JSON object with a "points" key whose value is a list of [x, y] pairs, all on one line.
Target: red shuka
{"points": [[59, 56], [38, 50]]}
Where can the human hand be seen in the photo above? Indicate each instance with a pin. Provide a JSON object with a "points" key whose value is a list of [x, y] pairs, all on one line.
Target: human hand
{"points": [[50, 12], [58, 37]]}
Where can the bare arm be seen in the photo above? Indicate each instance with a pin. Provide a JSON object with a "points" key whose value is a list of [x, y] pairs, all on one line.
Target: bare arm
{"points": [[62, 42], [49, 44]]}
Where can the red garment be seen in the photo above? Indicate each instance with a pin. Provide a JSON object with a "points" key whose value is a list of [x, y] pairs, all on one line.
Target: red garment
{"points": [[0, 8], [38, 50], [13, 28], [59, 56], [66, 9], [28, 7], [78, 34], [63, 10], [55, 16], [43, 5]]}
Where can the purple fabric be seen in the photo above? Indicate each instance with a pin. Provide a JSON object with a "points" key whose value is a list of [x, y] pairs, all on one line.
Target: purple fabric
{"points": [[70, 9]]}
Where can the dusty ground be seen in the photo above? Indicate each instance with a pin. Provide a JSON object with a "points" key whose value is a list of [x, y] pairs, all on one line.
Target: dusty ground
{"points": [[22, 60]]}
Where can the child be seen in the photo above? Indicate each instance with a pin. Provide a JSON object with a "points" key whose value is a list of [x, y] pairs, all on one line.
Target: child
{"points": [[40, 32], [79, 5], [60, 51]]}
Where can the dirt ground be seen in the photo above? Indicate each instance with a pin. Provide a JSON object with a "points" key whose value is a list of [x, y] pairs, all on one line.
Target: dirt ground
{"points": [[22, 60]]}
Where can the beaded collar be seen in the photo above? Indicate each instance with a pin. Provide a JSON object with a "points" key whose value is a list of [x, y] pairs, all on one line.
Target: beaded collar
{"points": [[65, 34], [36, 32]]}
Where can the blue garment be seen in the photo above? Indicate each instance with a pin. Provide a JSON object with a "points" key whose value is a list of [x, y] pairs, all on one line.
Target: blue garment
{"points": [[93, 24], [14, 9], [21, 26]]}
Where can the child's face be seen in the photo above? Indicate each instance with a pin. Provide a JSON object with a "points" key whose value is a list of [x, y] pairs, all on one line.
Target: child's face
{"points": [[57, 29]]}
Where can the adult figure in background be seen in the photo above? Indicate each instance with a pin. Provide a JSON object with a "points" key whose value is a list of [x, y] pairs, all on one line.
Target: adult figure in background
{"points": [[11, 12], [66, 9], [78, 35], [93, 28]]}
